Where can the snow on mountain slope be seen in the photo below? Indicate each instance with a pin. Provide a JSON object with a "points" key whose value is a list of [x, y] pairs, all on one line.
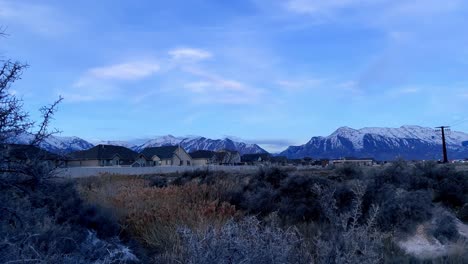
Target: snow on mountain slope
{"points": [[201, 143], [62, 145], [168, 140], [56, 144], [411, 142], [428, 135], [115, 143]]}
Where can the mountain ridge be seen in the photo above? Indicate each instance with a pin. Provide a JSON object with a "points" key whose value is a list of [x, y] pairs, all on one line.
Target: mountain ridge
{"points": [[409, 142], [64, 145]]}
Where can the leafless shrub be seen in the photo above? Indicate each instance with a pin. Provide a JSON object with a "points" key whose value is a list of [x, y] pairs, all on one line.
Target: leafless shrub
{"points": [[246, 241], [444, 226], [350, 237]]}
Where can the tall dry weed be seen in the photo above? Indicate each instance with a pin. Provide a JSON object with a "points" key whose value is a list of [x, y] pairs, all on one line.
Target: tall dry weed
{"points": [[152, 215]]}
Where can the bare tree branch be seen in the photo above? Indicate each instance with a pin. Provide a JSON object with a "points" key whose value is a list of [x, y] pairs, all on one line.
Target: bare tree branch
{"points": [[47, 115]]}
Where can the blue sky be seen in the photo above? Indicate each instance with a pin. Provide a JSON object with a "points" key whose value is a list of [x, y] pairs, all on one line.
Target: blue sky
{"points": [[266, 71]]}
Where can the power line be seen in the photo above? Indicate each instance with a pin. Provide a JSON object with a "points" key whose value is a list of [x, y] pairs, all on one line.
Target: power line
{"points": [[459, 122]]}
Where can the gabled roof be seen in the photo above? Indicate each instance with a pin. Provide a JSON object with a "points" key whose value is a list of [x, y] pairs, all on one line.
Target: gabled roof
{"points": [[233, 152], [255, 157], [220, 156], [202, 154], [104, 152], [165, 152], [279, 159], [25, 152], [353, 158]]}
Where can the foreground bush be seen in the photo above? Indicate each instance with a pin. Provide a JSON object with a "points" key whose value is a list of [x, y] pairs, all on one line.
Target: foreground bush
{"points": [[404, 211], [53, 225], [349, 236], [246, 241], [444, 227]]}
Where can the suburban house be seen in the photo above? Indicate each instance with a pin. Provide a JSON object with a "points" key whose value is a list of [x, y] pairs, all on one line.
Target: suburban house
{"points": [[355, 161], [226, 157], [256, 159], [279, 160], [202, 157], [220, 157], [19, 154], [167, 156], [106, 155]]}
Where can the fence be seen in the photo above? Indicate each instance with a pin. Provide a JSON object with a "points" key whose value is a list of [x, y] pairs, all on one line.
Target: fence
{"points": [[96, 171], [462, 167]]}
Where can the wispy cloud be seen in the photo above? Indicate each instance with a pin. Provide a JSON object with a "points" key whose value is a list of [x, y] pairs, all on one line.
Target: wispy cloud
{"points": [[386, 14], [209, 87], [212, 88], [404, 91], [38, 18], [88, 90], [350, 87], [317, 6], [125, 71], [189, 54], [105, 83], [295, 85]]}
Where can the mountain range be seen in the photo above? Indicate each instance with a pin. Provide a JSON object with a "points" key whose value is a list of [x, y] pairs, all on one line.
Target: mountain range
{"points": [[408, 142], [55, 144], [191, 144], [63, 145]]}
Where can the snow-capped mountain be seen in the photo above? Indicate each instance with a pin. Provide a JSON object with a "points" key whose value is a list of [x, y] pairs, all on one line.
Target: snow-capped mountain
{"points": [[63, 145], [115, 143], [201, 143], [56, 144], [409, 142]]}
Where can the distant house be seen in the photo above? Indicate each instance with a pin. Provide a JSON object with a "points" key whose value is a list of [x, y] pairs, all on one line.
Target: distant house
{"points": [[226, 157], [167, 156], [256, 159], [279, 160], [105, 155], [202, 157], [323, 162], [355, 161], [15, 154], [141, 161]]}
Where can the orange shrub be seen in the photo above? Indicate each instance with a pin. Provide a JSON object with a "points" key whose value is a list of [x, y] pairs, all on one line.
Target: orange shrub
{"points": [[153, 214]]}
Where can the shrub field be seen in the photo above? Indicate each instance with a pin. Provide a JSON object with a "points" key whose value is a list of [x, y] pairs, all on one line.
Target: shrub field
{"points": [[346, 215]]}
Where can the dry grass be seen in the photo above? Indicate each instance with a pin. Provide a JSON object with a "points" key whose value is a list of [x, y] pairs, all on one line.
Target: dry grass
{"points": [[153, 215]]}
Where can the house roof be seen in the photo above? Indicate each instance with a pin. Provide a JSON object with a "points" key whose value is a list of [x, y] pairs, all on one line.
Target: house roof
{"points": [[104, 152], [255, 157], [353, 158], [25, 152], [234, 152], [220, 156], [202, 154], [279, 159], [165, 152]]}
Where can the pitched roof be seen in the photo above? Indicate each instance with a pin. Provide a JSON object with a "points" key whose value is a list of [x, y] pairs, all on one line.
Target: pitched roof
{"points": [[220, 157], [202, 154], [165, 152], [235, 152], [104, 152], [255, 157], [279, 159]]}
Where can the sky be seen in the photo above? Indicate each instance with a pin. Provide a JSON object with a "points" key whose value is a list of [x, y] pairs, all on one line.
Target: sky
{"points": [[273, 72]]}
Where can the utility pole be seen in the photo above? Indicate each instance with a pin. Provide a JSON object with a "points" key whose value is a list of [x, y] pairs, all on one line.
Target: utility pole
{"points": [[444, 146]]}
